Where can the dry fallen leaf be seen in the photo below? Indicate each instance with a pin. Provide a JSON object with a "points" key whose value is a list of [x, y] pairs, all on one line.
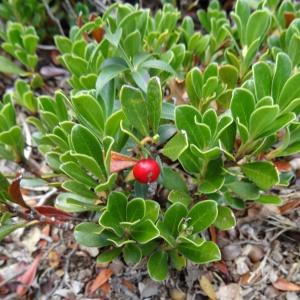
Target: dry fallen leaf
{"points": [[102, 278], [28, 277], [285, 285], [53, 259], [291, 204], [105, 288], [207, 287], [120, 162], [130, 286], [177, 294]]}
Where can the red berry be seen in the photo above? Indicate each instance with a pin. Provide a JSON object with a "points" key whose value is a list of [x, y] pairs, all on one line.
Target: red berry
{"points": [[146, 170]]}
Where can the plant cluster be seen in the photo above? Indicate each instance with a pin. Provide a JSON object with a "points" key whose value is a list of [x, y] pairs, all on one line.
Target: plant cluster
{"points": [[212, 153]]}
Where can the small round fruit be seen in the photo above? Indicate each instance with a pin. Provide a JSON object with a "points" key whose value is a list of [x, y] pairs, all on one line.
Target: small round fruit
{"points": [[146, 170]]}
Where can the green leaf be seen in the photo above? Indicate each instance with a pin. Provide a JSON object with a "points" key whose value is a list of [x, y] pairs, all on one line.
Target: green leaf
{"points": [[202, 215], [210, 87], [185, 116], [242, 105], [132, 43], [108, 256], [107, 185], [225, 219], [280, 123], [290, 91], [7, 229], [133, 105], [88, 109], [75, 203], [85, 142], [257, 26], [75, 64], [135, 210], [75, 172], [144, 231], [8, 67], [172, 180], [194, 82], [154, 103], [263, 79], [152, 210], [109, 70], [114, 38], [178, 260], [174, 216], [91, 235], [229, 75], [176, 146], [132, 254], [293, 49], [235, 203], [157, 64], [13, 137], [214, 178], [261, 118], [244, 190], [63, 44], [166, 234], [158, 266], [167, 112], [116, 205], [78, 188], [283, 69], [179, 197], [269, 199], [203, 254], [262, 173]]}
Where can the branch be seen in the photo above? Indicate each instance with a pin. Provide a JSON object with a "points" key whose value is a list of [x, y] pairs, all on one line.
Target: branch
{"points": [[52, 17]]}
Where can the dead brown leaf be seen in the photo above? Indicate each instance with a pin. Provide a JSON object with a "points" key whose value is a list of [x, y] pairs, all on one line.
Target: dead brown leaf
{"points": [[207, 287], [102, 278], [177, 91], [120, 162], [289, 17], [53, 259], [28, 277], [283, 166], [285, 285], [130, 286], [290, 205]]}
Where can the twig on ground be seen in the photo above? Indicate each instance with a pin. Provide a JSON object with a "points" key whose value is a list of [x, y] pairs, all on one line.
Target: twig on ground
{"points": [[52, 17]]}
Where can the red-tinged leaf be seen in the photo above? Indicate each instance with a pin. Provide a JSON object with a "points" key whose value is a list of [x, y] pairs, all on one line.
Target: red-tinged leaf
{"points": [[53, 212], [14, 191], [102, 278], [120, 162], [285, 285], [28, 277], [222, 267], [282, 166]]}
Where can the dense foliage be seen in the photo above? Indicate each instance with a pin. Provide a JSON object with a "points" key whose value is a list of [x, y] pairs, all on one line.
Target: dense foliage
{"points": [[213, 106]]}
